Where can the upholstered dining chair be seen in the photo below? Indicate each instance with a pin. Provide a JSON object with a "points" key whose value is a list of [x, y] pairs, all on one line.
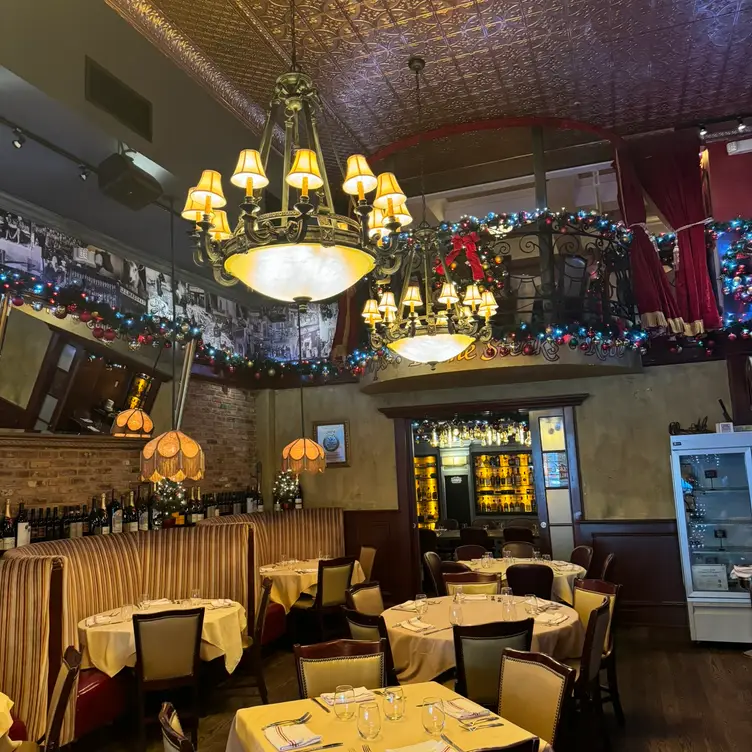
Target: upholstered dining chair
{"points": [[534, 690], [583, 557], [587, 595], [513, 534], [173, 739], [427, 540], [367, 558], [474, 583], [438, 568], [58, 704], [334, 578], [252, 649], [365, 597], [372, 628], [323, 666], [469, 552], [448, 524], [530, 579], [476, 536], [608, 566], [167, 659], [519, 549], [478, 650]]}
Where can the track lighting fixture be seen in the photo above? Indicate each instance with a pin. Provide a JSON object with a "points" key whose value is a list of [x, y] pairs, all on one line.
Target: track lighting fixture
{"points": [[742, 126], [703, 131], [18, 138], [83, 172]]}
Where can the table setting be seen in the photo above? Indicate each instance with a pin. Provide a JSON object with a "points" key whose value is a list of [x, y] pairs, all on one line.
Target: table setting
{"points": [[424, 717], [423, 645], [108, 642], [292, 578]]}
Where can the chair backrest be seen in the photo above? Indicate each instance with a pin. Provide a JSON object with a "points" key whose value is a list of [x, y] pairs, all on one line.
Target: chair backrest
{"points": [[582, 556], [514, 534], [469, 552], [472, 583], [365, 597], [475, 536], [587, 596], [519, 549], [366, 559], [167, 646], [371, 629], [478, 652], [427, 539], [433, 564], [58, 704], [535, 579], [173, 739], [533, 689], [264, 597], [592, 649], [448, 524], [608, 566], [334, 579], [323, 666]]}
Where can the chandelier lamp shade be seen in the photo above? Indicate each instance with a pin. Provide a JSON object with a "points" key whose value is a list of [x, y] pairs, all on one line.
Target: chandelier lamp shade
{"points": [[303, 456], [172, 456], [133, 423]]}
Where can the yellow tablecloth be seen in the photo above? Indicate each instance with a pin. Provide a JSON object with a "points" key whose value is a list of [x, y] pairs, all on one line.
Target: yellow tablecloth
{"points": [[246, 734], [290, 581], [422, 657], [112, 647], [565, 573], [5, 723]]}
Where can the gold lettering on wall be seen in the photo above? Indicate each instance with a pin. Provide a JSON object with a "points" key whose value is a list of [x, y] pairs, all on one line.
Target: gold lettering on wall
{"points": [[468, 354]]}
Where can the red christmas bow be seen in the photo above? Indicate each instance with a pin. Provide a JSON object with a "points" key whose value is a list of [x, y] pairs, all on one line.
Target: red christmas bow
{"points": [[468, 244]]}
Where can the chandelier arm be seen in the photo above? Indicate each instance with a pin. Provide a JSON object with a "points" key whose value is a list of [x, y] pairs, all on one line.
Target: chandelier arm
{"points": [[427, 280], [289, 124], [224, 279], [257, 233], [388, 271], [266, 137], [405, 283], [313, 134]]}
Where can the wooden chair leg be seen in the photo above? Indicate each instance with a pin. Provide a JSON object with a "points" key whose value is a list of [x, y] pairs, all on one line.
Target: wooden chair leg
{"points": [[613, 691], [259, 671], [597, 700], [141, 722]]}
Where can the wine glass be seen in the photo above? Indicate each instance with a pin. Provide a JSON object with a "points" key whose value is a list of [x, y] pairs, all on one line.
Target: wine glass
{"points": [[143, 602], [344, 706], [369, 720], [394, 703], [195, 597], [285, 560], [421, 604], [455, 614], [546, 557], [432, 715], [536, 554], [531, 605], [508, 556], [507, 594]]}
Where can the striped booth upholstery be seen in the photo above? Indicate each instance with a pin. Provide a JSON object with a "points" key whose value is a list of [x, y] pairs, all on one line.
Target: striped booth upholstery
{"points": [[101, 573]]}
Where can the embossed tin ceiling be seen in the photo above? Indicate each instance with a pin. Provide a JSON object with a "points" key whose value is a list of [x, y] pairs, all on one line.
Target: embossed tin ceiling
{"points": [[628, 65]]}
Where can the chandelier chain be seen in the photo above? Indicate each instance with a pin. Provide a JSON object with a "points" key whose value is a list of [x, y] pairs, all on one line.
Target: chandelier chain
{"points": [[421, 155]]}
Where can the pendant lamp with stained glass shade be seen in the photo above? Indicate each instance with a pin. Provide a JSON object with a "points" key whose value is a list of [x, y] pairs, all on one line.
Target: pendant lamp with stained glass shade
{"points": [[133, 423], [303, 455], [173, 455]]}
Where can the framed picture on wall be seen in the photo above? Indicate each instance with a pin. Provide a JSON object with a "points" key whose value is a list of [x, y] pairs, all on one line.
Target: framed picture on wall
{"points": [[335, 438]]}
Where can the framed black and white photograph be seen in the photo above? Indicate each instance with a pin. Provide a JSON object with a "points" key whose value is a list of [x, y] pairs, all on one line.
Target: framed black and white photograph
{"points": [[335, 438]]}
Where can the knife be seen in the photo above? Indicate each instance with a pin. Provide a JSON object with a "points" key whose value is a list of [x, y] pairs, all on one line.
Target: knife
{"points": [[445, 738], [325, 746], [322, 706]]}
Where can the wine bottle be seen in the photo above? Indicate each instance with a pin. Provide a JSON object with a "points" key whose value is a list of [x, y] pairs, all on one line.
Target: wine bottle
{"points": [[130, 516], [143, 514], [115, 514], [53, 531], [65, 523], [299, 497], [7, 534], [250, 501], [104, 518], [199, 512], [237, 503], [21, 526], [77, 523], [33, 526], [95, 521], [47, 526], [85, 521]]}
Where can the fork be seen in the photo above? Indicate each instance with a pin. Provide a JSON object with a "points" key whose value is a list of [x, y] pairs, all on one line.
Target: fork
{"points": [[366, 748], [292, 722]]}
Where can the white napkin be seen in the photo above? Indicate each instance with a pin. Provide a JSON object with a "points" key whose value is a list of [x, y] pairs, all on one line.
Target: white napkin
{"points": [[307, 570], [565, 566], [477, 561], [464, 709], [159, 602], [101, 619], [423, 747], [268, 568], [406, 606], [416, 625], [360, 694], [742, 572], [291, 737], [551, 619], [475, 597], [217, 602]]}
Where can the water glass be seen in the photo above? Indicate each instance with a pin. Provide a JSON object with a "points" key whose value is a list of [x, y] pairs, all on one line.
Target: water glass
{"points": [[546, 557], [394, 703], [433, 715], [126, 612], [531, 605], [536, 554], [459, 594], [369, 720], [285, 560], [508, 555], [320, 554], [143, 602], [421, 604], [195, 597], [455, 614], [508, 611], [344, 705]]}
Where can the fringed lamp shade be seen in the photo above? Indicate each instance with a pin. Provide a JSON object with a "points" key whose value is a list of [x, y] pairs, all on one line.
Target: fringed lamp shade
{"points": [[172, 456], [304, 456], [132, 424]]}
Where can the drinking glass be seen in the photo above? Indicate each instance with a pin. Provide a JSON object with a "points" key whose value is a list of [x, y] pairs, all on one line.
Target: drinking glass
{"points": [[344, 706], [394, 703], [455, 614], [459, 594], [508, 554], [285, 560], [143, 602], [507, 594], [531, 605], [536, 554], [508, 611], [421, 604], [369, 720], [195, 597], [546, 557], [433, 715], [126, 612], [320, 554]]}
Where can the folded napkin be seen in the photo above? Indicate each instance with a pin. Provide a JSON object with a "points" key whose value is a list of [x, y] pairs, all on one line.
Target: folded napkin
{"points": [[268, 568], [360, 694], [475, 597], [291, 737], [406, 606], [551, 619], [742, 572], [416, 625], [431, 746], [307, 570], [565, 566], [217, 602], [476, 561], [159, 602], [461, 708], [101, 619]]}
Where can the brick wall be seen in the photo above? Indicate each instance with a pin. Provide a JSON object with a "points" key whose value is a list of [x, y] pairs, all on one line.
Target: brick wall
{"points": [[222, 419]]}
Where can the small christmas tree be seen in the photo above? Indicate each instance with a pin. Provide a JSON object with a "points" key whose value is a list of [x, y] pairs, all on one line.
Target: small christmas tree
{"points": [[171, 495], [285, 488]]}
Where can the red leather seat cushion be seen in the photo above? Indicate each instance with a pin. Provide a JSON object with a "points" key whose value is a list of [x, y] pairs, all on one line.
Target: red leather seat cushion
{"points": [[100, 699], [17, 731], [275, 624]]}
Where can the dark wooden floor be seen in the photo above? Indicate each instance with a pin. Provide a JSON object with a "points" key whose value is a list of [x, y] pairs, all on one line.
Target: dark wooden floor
{"points": [[677, 698]]}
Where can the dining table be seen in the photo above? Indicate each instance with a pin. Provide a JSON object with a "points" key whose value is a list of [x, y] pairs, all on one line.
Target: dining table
{"points": [[6, 721], [422, 656], [291, 579], [565, 573], [247, 730], [108, 642]]}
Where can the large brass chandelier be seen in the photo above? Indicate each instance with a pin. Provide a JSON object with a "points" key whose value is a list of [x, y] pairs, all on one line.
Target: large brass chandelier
{"points": [[306, 251], [442, 322]]}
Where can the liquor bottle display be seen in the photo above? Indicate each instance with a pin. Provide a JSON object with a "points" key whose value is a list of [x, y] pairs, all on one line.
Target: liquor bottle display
{"points": [[504, 483], [7, 533], [21, 526], [426, 491]]}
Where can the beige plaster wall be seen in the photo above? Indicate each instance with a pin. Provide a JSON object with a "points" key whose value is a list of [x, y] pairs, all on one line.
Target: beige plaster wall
{"points": [[23, 351], [622, 432]]}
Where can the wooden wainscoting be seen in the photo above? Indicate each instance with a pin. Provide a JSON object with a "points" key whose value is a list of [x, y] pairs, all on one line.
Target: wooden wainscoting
{"points": [[647, 566]]}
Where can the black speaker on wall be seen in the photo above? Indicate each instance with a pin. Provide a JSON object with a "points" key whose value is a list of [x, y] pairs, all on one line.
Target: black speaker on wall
{"points": [[127, 184]]}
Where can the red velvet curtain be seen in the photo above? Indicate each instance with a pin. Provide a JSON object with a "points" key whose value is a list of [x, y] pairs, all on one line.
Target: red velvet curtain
{"points": [[668, 166], [653, 294]]}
